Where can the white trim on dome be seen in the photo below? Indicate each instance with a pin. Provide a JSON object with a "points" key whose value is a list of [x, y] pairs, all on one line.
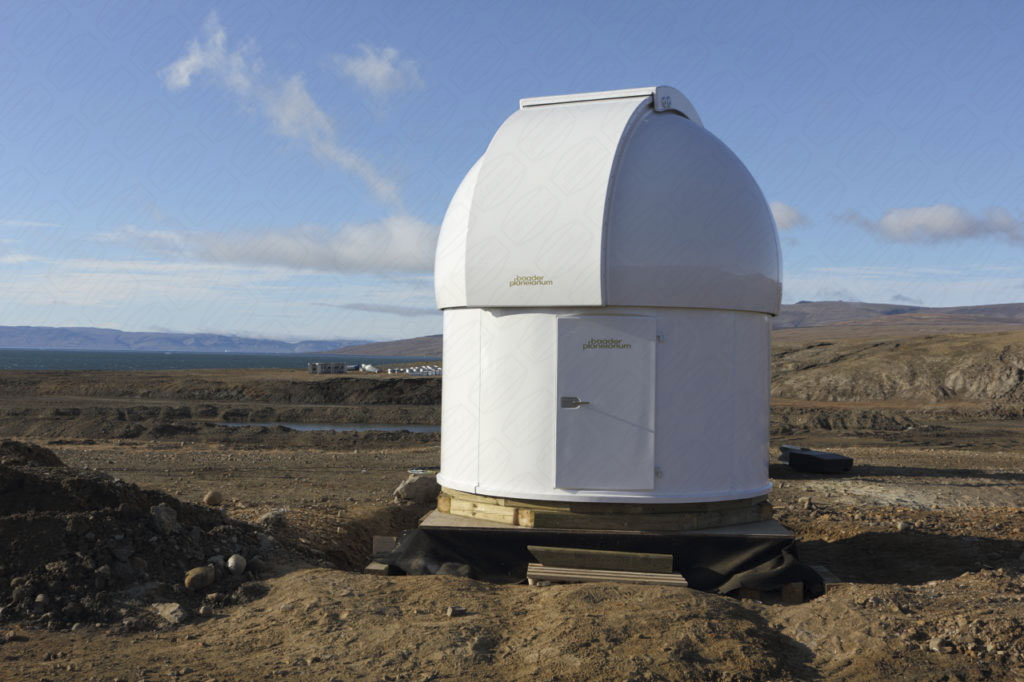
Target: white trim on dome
{"points": [[663, 97]]}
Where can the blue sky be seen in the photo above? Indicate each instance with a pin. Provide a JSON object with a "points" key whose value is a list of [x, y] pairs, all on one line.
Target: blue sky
{"points": [[280, 169]]}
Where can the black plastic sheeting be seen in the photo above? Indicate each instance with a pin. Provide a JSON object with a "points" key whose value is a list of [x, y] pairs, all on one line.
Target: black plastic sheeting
{"points": [[708, 562]]}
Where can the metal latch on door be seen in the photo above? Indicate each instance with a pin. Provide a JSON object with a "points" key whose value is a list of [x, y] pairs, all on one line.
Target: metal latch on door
{"points": [[573, 401]]}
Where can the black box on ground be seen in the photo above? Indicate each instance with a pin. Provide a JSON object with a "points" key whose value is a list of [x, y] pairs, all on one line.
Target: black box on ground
{"points": [[815, 461]]}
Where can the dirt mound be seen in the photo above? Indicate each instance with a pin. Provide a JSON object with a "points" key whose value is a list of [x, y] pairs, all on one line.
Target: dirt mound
{"points": [[788, 421], [81, 546], [27, 454]]}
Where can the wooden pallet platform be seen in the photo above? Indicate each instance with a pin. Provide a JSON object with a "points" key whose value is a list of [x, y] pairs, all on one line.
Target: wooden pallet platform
{"points": [[603, 516], [555, 574], [768, 529]]}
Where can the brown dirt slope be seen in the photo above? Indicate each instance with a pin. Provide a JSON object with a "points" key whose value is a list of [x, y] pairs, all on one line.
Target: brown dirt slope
{"points": [[924, 368]]}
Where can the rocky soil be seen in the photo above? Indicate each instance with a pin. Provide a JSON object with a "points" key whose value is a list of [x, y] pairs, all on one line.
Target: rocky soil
{"points": [[928, 542], [926, 533], [83, 547]]}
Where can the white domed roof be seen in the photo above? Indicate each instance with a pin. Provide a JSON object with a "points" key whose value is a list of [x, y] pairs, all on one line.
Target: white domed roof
{"points": [[608, 199]]}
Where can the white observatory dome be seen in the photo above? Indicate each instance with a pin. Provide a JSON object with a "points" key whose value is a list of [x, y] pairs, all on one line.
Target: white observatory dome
{"points": [[607, 271]]}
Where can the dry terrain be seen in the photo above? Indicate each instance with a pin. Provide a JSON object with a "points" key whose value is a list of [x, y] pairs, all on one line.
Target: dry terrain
{"points": [[927, 532]]}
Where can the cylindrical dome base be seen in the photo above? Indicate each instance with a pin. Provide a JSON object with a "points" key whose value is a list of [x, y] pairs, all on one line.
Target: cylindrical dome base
{"points": [[613, 404]]}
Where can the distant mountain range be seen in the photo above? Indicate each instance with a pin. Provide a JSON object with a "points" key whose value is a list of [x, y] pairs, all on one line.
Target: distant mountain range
{"points": [[850, 317], [94, 338], [419, 347]]}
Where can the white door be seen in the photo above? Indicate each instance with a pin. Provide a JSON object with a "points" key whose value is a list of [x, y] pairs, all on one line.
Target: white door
{"points": [[605, 408]]}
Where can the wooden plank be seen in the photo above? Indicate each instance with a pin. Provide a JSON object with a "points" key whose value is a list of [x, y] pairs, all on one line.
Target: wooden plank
{"points": [[759, 529], [650, 522], [570, 557], [377, 568], [444, 503], [555, 574], [604, 507], [827, 577], [479, 510], [793, 593], [383, 543]]}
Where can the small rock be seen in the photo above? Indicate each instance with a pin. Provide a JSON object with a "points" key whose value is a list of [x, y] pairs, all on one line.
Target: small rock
{"points": [[903, 526], [453, 568], [454, 611], [205, 610], [939, 644], [418, 488], [213, 498], [236, 564], [200, 577], [164, 518], [272, 517], [805, 502], [171, 612]]}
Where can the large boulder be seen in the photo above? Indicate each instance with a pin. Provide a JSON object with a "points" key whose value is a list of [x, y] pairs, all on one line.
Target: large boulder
{"points": [[418, 488]]}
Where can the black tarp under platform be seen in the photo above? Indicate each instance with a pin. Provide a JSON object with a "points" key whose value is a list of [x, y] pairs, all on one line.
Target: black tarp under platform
{"points": [[760, 556]]}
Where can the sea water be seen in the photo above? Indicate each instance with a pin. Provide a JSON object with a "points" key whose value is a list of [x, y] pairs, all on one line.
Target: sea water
{"points": [[161, 360]]}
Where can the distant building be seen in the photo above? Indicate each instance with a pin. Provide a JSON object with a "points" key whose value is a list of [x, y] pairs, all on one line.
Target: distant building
{"points": [[327, 368]]}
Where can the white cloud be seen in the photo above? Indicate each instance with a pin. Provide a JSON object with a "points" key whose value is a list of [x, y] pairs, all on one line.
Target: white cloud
{"points": [[965, 284], [380, 70], [17, 259], [26, 223], [286, 103], [212, 55], [395, 244], [96, 282], [940, 222], [401, 310], [786, 217]]}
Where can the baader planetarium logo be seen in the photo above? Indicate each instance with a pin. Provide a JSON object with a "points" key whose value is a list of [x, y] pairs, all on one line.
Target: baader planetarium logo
{"points": [[530, 281], [614, 344]]}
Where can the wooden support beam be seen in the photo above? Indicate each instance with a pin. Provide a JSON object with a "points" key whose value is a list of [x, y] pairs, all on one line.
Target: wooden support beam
{"points": [[650, 522], [554, 574], [377, 568], [383, 543], [570, 557], [827, 577], [603, 516], [793, 593], [481, 510]]}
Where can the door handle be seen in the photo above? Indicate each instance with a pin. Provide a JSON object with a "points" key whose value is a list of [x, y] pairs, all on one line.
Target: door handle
{"points": [[572, 401]]}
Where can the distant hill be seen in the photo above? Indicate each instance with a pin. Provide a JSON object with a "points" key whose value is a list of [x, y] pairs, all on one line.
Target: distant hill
{"points": [[419, 347], [843, 318], [94, 338], [821, 313]]}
